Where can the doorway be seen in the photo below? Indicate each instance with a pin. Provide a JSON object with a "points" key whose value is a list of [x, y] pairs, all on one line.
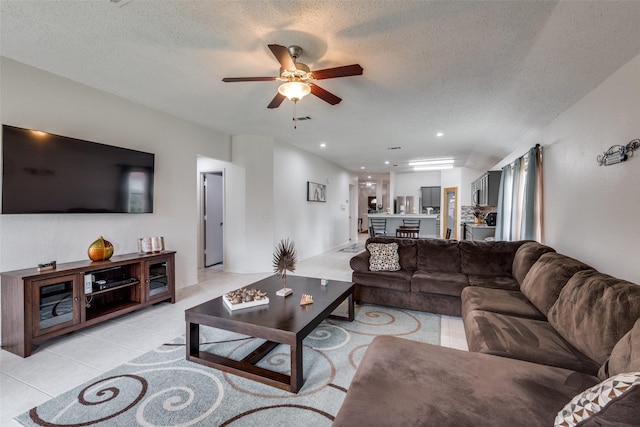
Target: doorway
{"points": [[450, 213], [353, 212], [213, 215]]}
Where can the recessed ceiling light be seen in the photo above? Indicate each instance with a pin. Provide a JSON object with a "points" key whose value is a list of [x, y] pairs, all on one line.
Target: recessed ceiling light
{"points": [[361, 167], [387, 162], [432, 168], [323, 145], [369, 177], [439, 134], [431, 162]]}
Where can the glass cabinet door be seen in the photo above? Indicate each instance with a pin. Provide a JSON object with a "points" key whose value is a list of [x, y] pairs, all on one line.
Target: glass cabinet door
{"points": [[56, 304], [158, 274]]}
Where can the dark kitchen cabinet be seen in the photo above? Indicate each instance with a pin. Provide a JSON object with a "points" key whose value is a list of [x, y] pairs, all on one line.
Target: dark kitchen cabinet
{"points": [[484, 190], [430, 197]]}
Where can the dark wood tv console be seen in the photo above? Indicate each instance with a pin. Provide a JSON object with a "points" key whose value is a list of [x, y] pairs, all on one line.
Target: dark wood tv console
{"points": [[37, 306]]}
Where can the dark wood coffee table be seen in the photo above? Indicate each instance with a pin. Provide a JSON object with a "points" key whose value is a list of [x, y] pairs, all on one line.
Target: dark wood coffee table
{"points": [[282, 321]]}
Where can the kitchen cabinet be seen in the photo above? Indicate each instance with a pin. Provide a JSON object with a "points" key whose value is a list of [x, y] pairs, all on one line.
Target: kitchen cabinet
{"points": [[484, 190], [478, 231], [430, 197]]}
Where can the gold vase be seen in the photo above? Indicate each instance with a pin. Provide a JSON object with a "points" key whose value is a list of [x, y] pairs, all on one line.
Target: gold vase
{"points": [[100, 250]]}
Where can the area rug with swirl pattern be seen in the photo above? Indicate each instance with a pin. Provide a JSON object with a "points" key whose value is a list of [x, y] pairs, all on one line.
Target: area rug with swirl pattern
{"points": [[161, 388]]}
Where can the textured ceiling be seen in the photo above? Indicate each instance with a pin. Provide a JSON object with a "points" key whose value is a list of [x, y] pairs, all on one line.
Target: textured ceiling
{"points": [[484, 73]]}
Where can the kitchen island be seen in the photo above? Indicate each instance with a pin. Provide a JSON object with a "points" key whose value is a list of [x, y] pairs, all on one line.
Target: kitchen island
{"points": [[428, 227]]}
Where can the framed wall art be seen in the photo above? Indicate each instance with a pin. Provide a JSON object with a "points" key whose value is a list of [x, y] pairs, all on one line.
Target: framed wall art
{"points": [[316, 192]]}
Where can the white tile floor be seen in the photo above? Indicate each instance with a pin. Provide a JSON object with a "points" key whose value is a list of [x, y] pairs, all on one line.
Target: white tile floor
{"points": [[68, 361]]}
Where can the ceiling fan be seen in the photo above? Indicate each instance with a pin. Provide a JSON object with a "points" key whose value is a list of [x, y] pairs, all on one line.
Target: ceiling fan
{"points": [[297, 78]]}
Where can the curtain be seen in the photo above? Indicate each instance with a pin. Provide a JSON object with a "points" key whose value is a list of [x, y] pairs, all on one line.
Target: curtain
{"points": [[503, 222], [532, 197], [520, 199]]}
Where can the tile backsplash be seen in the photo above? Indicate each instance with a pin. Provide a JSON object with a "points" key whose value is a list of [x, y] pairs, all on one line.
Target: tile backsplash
{"points": [[466, 212]]}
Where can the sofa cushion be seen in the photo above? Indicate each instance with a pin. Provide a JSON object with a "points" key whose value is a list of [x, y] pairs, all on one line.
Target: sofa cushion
{"points": [[480, 258], [397, 280], [525, 257], [400, 382], [613, 402], [594, 311], [625, 356], [524, 339], [513, 303], [495, 282], [437, 282], [438, 255], [384, 257], [547, 277], [406, 250]]}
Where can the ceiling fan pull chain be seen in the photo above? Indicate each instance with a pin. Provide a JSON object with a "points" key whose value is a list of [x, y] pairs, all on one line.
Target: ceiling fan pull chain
{"points": [[295, 126]]}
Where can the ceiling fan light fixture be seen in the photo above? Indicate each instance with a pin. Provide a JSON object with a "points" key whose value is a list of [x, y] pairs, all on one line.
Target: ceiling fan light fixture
{"points": [[295, 91]]}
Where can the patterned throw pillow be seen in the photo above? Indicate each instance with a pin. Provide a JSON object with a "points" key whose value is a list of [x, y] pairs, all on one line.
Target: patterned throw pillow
{"points": [[384, 257], [589, 405]]}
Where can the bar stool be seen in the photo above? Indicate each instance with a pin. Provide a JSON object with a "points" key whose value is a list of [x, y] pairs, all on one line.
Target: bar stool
{"points": [[378, 226], [411, 222]]}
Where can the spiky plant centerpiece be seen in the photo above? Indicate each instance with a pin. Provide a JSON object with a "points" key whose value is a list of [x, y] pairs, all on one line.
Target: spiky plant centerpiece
{"points": [[284, 258]]}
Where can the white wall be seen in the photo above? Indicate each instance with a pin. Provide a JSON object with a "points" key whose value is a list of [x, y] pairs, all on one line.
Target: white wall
{"points": [[315, 227], [32, 98], [467, 176], [592, 212], [265, 201], [408, 184], [392, 189], [254, 154]]}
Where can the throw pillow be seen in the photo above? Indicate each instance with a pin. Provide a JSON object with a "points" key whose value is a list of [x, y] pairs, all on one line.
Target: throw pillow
{"points": [[618, 395], [384, 257]]}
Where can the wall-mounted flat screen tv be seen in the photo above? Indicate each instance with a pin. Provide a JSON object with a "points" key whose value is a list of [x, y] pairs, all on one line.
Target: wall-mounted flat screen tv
{"points": [[46, 173]]}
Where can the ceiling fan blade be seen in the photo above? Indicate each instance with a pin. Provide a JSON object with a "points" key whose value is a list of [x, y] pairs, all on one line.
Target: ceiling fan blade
{"points": [[283, 56], [276, 101], [344, 71], [248, 79], [324, 95]]}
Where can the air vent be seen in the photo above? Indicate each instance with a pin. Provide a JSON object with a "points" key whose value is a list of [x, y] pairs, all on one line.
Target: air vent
{"points": [[121, 3], [394, 148], [301, 119]]}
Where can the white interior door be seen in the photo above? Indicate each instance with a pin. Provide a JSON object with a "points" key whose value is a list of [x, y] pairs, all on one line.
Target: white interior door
{"points": [[213, 218]]}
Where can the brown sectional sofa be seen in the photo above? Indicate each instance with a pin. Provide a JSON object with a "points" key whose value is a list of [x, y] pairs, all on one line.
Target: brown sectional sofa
{"points": [[541, 328], [435, 271]]}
